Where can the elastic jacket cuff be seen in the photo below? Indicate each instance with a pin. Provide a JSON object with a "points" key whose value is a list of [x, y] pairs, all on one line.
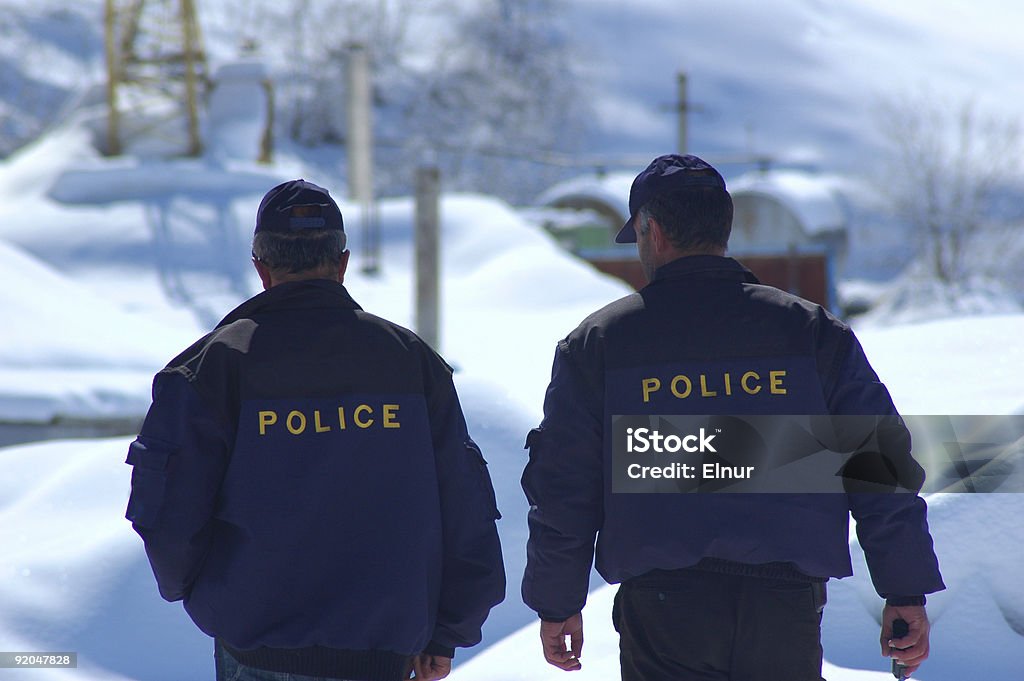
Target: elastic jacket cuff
{"points": [[905, 600], [548, 618], [434, 648]]}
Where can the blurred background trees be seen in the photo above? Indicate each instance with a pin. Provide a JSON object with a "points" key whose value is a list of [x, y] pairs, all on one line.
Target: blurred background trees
{"points": [[948, 175], [486, 95]]}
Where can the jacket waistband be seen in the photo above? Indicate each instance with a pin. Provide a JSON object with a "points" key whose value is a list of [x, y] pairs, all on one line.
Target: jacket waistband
{"points": [[364, 665], [783, 571]]}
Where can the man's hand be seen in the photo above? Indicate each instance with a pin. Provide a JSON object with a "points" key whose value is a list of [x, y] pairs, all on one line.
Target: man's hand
{"points": [[431, 667], [552, 638], [916, 640]]}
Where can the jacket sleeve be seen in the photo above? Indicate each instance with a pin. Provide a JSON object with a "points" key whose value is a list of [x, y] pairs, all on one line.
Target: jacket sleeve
{"points": [[473, 574], [892, 528], [178, 462], [564, 484]]}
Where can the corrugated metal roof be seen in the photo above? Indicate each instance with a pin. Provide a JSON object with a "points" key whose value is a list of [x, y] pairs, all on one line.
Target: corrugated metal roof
{"points": [[816, 199]]}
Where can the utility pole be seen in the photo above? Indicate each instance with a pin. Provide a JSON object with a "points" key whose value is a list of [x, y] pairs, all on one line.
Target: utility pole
{"points": [[359, 146], [113, 78], [190, 39], [682, 108], [267, 140], [428, 235]]}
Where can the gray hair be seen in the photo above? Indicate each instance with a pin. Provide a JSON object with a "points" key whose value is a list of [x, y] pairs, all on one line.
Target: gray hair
{"points": [[300, 251], [698, 218]]}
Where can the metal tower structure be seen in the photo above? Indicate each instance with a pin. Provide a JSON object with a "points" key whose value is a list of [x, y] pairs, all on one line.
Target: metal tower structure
{"points": [[154, 50]]}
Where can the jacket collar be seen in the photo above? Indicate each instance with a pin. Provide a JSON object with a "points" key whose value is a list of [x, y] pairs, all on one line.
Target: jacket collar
{"points": [[704, 266], [311, 293]]}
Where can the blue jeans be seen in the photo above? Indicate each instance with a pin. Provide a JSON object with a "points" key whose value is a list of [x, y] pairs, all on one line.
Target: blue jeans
{"points": [[230, 669]]}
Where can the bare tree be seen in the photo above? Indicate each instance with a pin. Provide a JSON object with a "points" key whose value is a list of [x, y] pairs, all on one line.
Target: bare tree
{"points": [[948, 165], [502, 93], [482, 88], [312, 75]]}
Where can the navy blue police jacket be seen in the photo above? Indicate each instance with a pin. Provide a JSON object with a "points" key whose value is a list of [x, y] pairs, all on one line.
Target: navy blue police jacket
{"points": [[305, 483], [703, 318]]}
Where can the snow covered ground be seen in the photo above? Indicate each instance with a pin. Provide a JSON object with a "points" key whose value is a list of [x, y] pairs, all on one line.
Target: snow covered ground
{"points": [[100, 294]]}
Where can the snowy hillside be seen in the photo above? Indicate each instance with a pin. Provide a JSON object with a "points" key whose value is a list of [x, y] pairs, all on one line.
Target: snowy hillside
{"points": [[103, 373], [182, 243], [48, 49]]}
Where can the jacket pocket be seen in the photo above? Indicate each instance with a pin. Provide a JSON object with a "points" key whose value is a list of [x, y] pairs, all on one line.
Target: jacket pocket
{"points": [[484, 480], [148, 459], [533, 438]]}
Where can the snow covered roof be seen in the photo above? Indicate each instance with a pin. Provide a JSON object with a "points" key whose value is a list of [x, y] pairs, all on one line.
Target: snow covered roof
{"points": [[246, 70], [814, 198], [610, 191]]}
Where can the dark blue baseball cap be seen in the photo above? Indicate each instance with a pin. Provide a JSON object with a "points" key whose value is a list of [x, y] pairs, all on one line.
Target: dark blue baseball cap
{"points": [[667, 174], [316, 209]]}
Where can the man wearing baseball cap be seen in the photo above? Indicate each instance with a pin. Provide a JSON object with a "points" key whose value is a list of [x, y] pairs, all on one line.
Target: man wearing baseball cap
{"points": [[714, 586], [304, 480]]}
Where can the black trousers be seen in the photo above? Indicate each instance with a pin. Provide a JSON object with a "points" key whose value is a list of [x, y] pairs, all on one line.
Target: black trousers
{"points": [[693, 625]]}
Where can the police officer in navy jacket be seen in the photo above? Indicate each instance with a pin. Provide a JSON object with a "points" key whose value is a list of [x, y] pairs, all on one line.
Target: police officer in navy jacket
{"points": [[304, 481], [715, 586]]}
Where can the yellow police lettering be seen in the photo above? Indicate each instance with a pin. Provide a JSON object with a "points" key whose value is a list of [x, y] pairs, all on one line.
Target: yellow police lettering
{"points": [[310, 421], [650, 385], [362, 409], [267, 418], [390, 416], [294, 416], [675, 386], [704, 392], [711, 385]]}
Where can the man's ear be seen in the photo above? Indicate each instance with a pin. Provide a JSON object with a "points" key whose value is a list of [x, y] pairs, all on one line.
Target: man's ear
{"points": [[343, 266], [658, 237], [264, 272]]}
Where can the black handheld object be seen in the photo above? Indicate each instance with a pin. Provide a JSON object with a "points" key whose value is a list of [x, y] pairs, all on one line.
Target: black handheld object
{"points": [[900, 628]]}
